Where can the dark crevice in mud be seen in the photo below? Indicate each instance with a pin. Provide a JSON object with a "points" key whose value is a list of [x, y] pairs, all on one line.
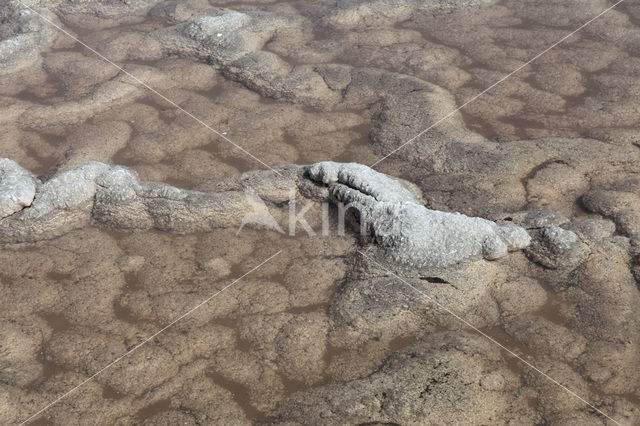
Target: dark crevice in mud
{"points": [[178, 182], [45, 164], [514, 364], [218, 90], [119, 235], [592, 90], [550, 310], [143, 23], [242, 345], [42, 421], [28, 95], [581, 209], [330, 353], [121, 156], [240, 395], [633, 398], [233, 156], [291, 60], [401, 342], [379, 424], [58, 322], [429, 37], [435, 280], [521, 125], [292, 386], [109, 392], [238, 270], [363, 140], [59, 277], [154, 409], [480, 126], [166, 111], [245, 5], [125, 314], [532, 174], [626, 9], [599, 395], [317, 307], [50, 369], [133, 281]]}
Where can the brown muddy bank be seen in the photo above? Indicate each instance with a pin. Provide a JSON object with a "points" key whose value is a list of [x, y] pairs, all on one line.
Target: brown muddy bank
{"points": [[321, 334]]}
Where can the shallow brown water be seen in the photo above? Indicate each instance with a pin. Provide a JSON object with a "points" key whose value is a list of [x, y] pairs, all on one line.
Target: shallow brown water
{"points": [[129, 306]]}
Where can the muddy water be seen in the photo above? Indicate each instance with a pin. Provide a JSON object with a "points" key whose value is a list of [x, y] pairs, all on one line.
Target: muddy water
{"points": [[523, 125], [130, 307]]}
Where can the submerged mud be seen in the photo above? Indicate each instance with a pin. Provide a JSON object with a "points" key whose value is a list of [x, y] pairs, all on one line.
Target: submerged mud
{"points": [[331, 330]]}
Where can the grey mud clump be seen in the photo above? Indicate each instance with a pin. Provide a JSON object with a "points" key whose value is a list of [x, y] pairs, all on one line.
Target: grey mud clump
{"points": [[113, 196], [67, 190], [411, 233], [17, 187], [23, 34], [225, 37], [555, 247]]}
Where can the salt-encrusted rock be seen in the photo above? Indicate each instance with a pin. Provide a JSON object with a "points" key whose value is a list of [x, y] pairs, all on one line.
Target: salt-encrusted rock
{"points": [[368, 181], [25, 35], [114, 196], [65, 191], [411, 233], [555, 248], [223, 38], [220, 33], [17, 187]]}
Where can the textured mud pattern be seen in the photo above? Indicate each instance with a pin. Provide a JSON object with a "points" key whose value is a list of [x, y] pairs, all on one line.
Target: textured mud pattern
{"points": [[332, 329]]}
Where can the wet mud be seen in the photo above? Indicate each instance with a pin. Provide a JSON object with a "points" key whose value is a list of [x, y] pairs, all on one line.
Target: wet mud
{"points": [[318, 335]]}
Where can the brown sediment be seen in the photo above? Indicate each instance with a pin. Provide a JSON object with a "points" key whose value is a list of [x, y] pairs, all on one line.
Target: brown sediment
{"points": [[154, 409], [240, 395], [330, 353], [125, 314], [292, 386], [42, 421], [56, 321], [318, 307], [237, 160], [170, 276], [49, 371], [46, 163], [108, 392], [401, 342], [59, 276], [234, 324], [361, 141], [520, 349], [533, 172], [551, 310]]}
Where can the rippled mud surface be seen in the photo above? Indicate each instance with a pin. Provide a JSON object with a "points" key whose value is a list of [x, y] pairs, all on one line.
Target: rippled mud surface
{"points": [[321, 334]]}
